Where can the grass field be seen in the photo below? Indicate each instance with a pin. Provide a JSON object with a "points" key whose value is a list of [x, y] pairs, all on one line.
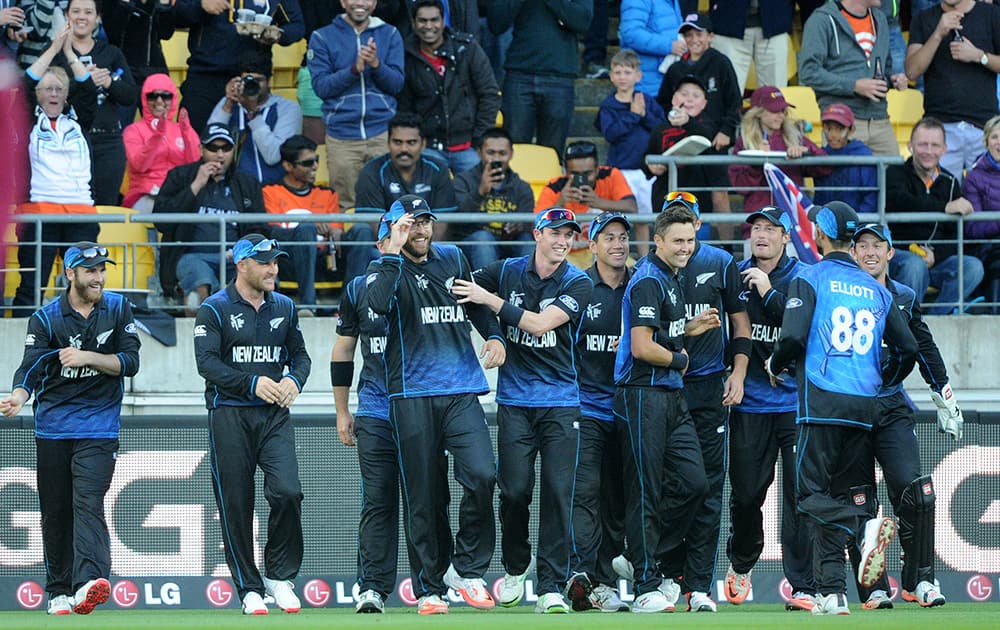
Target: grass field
{"points": [[908, 617]]}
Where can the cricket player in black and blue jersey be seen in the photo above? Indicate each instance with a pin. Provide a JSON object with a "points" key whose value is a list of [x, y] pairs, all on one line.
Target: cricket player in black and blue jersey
{"points": [[836, 320], [433, 379], [539, 299], [763, 423], [250, 351], [659, 440], [77, 351], [893, 440], [598, 503], [712, 287]]}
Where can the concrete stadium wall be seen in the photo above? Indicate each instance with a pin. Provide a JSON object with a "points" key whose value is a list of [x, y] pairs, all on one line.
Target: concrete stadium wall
{"points": [[168, 380]]}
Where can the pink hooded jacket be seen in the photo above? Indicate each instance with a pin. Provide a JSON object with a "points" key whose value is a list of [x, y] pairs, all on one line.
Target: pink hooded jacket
{"points": [[152, 150]]}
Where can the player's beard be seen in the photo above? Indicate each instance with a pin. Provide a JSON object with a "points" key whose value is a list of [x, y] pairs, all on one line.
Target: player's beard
{"points": [[418, 252]]}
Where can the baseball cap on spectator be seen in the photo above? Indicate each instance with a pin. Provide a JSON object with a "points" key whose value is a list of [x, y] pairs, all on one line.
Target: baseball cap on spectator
{"points": [[86, 254], [407, 204], [216, 131], [697, 21], [838, 113], [770, 98], [603, 219], [556, 217], [692, 78], [258, 247], [879, 230], [775, 215], [836, 219]]}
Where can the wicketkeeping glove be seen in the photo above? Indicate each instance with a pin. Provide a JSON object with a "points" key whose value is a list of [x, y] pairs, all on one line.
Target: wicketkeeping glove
{"points": [[949, 416]]}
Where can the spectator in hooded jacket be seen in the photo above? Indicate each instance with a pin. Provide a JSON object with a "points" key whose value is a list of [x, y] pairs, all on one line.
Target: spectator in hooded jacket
{"points": [[161, 140], [450, 84], [356, 64], [981, 187], [854, 185]]}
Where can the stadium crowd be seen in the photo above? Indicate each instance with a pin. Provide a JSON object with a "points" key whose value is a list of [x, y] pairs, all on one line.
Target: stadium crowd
{"points": [[631, 427]]}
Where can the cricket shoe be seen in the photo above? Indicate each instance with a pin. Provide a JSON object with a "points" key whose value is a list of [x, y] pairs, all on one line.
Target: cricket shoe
{"points": [[284, 597], [801, 601], [578, 592], [926, 594], [606, 599], [91, 595], [60, 605], [700, 602], [623, 568], [432, 605], [737, 586], [473, 590], [652, 602], [671, 590], [551, 603], [878, 534], [832, 604], [253, 604], [369, 602], [512, 586], [877, 600]]}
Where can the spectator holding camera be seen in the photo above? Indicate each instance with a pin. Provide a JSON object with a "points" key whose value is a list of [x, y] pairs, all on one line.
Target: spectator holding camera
{"points": [[160, 141], [11, 24], [259, 121]]}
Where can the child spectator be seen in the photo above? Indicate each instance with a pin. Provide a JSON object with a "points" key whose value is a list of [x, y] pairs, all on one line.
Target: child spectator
{"points": [[768, 127], [725, 98], [846, 183], [625, 119], [685, 119]]}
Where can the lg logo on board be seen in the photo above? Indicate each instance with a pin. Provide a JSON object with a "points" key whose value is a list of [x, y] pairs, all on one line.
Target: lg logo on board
{"points": [[219, 593], [30, 595]]}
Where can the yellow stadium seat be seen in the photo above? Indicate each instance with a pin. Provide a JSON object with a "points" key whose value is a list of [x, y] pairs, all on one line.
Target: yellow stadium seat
{"points": [[288, 92], [322, 171], [175, 51], [128, 245], [905, 109], [806, 108], [286, 61], [536, 165]]}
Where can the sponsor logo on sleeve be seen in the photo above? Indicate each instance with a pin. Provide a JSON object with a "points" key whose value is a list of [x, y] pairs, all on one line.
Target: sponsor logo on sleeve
{"points": [[647, 312], [199, 331], [130, 328], [570, 302], [29, 339], [793, 303], [371, 278]]}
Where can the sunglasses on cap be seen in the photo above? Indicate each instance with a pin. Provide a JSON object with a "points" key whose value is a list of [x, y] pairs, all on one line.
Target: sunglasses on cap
{"points": [[307, 163], [604, 218], [556, 214], [166, 96], [264, 246], [681, 197], [577, 150], [76, 257], [241, 252]]}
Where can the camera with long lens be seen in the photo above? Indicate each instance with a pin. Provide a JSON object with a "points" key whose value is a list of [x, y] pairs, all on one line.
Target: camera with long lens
{"points": [[251, 86]]}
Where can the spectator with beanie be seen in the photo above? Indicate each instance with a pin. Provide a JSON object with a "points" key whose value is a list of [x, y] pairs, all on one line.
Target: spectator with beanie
{"points": [[215, 45], [161, 140], [542, 62], [450, 85], [356, 64], [259, 121]]}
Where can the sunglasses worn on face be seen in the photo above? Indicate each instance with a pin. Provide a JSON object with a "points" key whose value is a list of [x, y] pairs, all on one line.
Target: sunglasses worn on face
{"points": [[307, 163], [215, 148], [166, 96], [580, 150]]}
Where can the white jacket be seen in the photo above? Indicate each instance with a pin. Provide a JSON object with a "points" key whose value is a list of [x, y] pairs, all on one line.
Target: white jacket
{"points": [[60, 160]]}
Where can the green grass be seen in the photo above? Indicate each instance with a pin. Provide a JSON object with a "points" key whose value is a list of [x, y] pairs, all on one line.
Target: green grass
{"points": [[903, 617]]}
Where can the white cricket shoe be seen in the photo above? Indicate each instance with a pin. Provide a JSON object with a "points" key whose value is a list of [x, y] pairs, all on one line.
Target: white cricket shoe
{"points": [[283, 594], [60, 605], [253, 604], [512, 586]]}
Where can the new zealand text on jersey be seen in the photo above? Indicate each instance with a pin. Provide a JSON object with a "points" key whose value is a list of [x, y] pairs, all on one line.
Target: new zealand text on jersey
{"points": [[441, 314], [256, 354], [377, 344], [77, 372], [694, 310], [602, 343], [518, 336], [765, 333]]}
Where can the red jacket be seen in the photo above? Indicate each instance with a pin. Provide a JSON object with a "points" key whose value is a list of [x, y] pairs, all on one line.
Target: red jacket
{"points": [[153, 151]]}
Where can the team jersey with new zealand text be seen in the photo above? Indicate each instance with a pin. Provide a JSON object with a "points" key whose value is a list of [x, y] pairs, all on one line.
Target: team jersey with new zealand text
{"points": [[653, 298], [428, 349], [235, 344], [929, 359], [595, 347], [539, 371], [710, 279], [369, 328], [765, 327], [78, 402], [839, 316]]}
